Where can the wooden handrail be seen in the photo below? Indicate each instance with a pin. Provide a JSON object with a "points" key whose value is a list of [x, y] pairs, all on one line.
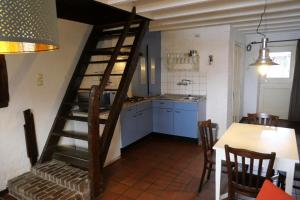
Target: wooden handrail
{"points": [[95, 171]]}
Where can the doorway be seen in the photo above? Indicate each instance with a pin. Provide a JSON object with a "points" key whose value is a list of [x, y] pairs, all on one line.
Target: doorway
{"points": [[275, 88]]}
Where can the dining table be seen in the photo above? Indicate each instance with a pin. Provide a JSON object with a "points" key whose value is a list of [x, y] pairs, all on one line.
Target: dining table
{"points": [[260, 138]]}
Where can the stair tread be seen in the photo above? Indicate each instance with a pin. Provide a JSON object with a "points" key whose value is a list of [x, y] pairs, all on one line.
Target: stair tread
{"points": [[83, 119], [72, 134], [106, 52], [28, 187], [106, 61], [102, 74], [73, 155], [131, 31], [63, 174], [72, 151], [106, 89]]}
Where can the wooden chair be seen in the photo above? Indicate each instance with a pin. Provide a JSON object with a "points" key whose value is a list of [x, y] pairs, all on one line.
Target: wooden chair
{"points": [[207, 140], [263, 119], [244, 181]]}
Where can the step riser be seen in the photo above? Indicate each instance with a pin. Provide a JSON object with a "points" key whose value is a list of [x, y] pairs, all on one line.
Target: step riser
{"points": [[31, 187], [63, 175]]}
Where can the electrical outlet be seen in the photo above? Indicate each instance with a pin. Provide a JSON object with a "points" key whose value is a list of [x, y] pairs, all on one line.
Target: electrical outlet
{"points": [[40, 79]]}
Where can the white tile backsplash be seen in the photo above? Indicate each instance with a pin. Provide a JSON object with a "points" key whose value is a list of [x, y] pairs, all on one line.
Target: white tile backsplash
{"points": [[171, 78]]}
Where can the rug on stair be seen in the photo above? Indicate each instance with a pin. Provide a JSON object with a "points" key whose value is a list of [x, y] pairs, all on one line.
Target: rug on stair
{"points": [[52, 180]]}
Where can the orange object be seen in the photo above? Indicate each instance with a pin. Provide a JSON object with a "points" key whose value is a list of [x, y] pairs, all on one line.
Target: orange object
{"points": [[270, 192]]}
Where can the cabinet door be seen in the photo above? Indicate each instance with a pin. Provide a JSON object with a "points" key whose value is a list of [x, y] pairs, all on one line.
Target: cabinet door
{"points": [[129, 128], [148, 121], [155, 119], [165, 120], [185, 123]]}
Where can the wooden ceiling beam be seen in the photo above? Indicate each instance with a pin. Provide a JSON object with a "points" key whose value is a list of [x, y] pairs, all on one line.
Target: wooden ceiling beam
{"points": [[211, 6], [248, 11], [272, 26], [297, 28], [232, 21]]}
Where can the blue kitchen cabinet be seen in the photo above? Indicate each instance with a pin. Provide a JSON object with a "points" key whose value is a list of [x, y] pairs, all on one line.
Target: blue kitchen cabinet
{"points": [[129, 131], [163, 116], [165, 120], [185, 123], [136, 122]]}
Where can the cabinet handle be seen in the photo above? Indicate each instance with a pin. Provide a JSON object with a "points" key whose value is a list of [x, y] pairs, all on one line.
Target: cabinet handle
{"points": [[177, 111], [161, 103], [169, 110]]}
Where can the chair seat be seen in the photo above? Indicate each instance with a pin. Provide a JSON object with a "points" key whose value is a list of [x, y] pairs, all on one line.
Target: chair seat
{"points": [[249, 187]]}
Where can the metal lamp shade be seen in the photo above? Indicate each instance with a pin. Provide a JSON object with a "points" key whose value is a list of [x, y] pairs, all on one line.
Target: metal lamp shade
{"points": [[28, 26], [264, 60]]}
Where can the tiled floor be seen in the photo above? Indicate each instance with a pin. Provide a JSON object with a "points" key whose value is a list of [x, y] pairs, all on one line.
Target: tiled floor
{"points": [[158, 168]]}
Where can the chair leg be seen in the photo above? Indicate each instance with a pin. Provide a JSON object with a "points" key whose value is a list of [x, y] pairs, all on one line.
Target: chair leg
{"points": [[202, 177], [209, 171]]}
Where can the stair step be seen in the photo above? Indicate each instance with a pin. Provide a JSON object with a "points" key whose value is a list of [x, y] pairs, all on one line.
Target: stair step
{"points": [[131, 32], [31, 187], [106, 89], [106, 61], [72, 134], [64, 175], [83, 119], [103, 75], [106, 52], [118, 24], [72, 155]]}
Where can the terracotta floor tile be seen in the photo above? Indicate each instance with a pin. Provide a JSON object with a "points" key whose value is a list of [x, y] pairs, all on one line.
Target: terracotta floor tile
{"points": [[141, 185], [118, 188], [133, 193], [147, 196], [110, 196]]}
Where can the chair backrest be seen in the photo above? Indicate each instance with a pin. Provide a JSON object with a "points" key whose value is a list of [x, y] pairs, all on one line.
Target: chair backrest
{"points": [[263, 119], [247, 178], [207, 138]]}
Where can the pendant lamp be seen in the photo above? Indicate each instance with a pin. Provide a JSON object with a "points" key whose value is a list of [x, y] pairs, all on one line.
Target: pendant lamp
{"points": [[264, 60], [28, 26]]}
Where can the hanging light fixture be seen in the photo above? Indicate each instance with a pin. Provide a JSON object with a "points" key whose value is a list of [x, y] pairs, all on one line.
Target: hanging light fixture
{"points": [[28, 26], [264, 60]]}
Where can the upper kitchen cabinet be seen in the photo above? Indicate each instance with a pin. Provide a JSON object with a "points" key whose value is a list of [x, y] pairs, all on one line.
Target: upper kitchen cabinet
{"points": [[147, 77]]}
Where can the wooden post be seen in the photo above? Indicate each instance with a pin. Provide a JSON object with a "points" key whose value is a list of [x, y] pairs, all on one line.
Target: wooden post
{"points": [[95, 169], [30, 137], [4, 94]]}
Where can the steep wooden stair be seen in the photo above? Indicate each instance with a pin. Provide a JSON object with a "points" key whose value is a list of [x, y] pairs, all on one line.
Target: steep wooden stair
{"points": [[72, 172]]}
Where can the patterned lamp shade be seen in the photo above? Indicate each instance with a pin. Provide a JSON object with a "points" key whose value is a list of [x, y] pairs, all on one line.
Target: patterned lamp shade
{"points": [[28, 26]]}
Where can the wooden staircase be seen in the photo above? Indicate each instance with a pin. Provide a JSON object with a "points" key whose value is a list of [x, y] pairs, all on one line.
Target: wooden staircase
{"points": [[128, 37]]}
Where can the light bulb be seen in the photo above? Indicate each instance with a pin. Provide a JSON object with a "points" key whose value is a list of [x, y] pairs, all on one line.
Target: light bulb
{"points": [[263, 69]]}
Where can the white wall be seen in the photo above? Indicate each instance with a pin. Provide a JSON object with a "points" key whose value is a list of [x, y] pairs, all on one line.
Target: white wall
{"points": [[23, 69], [207, 41], [251, 81]]}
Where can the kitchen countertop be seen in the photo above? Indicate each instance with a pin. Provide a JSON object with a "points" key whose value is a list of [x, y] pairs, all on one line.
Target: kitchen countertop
{"points": [[168, 97]]}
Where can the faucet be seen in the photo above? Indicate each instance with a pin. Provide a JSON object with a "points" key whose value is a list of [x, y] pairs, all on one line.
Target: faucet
{"points": [[184, 82]]}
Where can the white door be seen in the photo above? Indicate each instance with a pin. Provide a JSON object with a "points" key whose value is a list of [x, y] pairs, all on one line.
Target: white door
{"points": [[275, 88], [236, 95]]}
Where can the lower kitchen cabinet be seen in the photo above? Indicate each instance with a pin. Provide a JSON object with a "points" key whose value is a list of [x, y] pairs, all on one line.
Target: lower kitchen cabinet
{"points": [[136, 122], [185, 123], [161, 116], [129, 131], [165, 120]]}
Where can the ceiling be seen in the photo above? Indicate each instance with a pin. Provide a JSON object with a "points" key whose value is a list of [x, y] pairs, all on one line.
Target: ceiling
{"points": [[244, 15]]}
